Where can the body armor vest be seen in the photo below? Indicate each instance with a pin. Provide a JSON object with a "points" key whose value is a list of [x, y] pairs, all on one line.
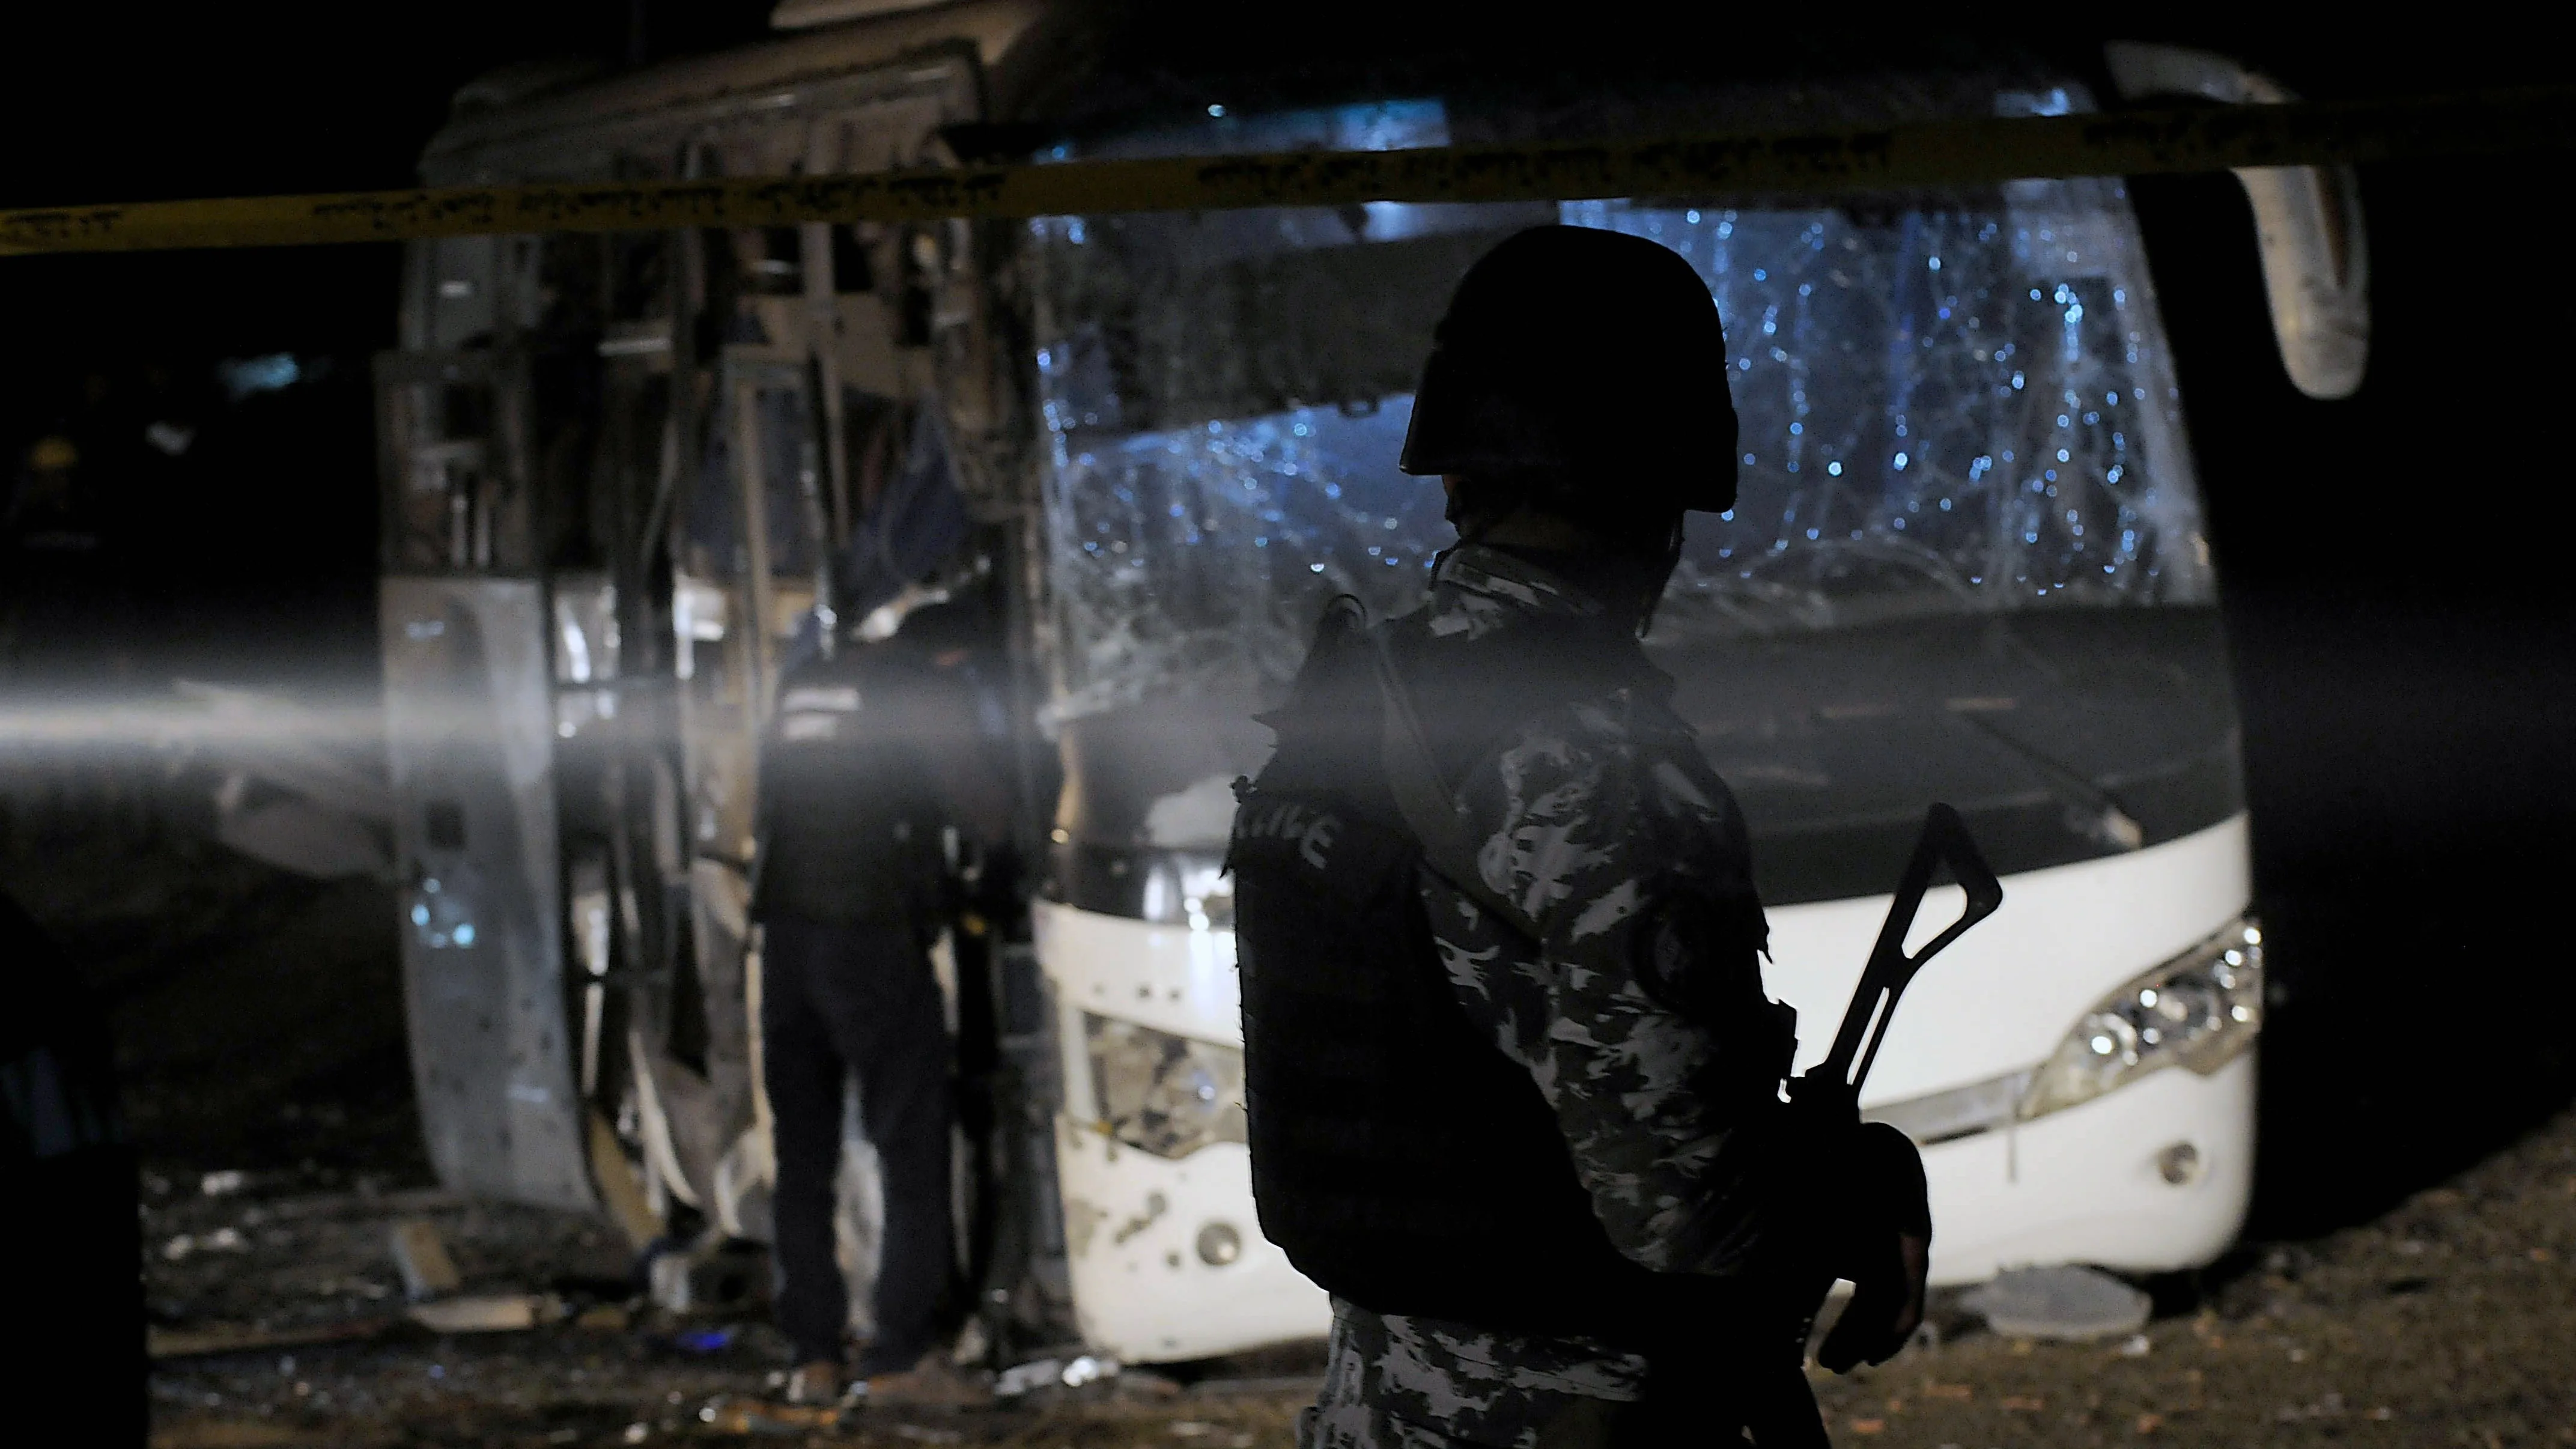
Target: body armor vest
{"points": [[1401, 1160]]}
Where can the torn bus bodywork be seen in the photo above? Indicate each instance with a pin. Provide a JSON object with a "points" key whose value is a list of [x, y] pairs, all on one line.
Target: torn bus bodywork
{"points": [[628, 477]]}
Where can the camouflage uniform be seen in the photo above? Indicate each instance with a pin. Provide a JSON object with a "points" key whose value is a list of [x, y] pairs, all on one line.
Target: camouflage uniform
{"points": [[1604, 824], [1397, 1382]]}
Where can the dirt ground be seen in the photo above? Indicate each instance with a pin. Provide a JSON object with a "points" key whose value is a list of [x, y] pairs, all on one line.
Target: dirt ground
{"points": [[2450, 1320]]}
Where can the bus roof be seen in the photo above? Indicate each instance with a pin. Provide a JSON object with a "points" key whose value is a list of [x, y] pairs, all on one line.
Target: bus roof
{"points": [[1069, 70]]}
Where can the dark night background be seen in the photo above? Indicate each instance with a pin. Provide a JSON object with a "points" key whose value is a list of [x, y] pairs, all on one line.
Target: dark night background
{"points": [[2395, 566]]}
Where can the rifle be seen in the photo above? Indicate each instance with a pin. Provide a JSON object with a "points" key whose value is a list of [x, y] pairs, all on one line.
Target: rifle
{"points": [[1781, 1410]]}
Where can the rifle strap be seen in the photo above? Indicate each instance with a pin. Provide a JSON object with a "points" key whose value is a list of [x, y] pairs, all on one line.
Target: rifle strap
{"points": [[1431, 810]]}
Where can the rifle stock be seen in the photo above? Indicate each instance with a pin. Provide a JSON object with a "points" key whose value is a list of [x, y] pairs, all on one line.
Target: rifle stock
{"points": [[1780, 1408], [1944, 842]]}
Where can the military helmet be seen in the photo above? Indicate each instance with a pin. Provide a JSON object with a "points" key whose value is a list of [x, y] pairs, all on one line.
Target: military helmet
{"points": [[1572, 349]]}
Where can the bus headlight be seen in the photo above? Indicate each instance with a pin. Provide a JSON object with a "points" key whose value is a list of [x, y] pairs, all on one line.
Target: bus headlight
{"points": [[2199, 1010], [1164, 1094]]}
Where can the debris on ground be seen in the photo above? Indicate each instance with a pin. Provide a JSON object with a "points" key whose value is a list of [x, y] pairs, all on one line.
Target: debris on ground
{"points": [[488, 1312], [1070, 1372], [757, 1416], [216, 1338], [2061, 1303], [420, 1255]]}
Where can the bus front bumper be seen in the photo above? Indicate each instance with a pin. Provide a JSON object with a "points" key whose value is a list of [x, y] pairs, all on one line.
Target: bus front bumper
{"points": [[2151, 1177], [1168, 1262]]}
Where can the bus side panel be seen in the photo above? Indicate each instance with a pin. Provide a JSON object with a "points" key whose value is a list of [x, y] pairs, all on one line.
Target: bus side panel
{"points": [[468, 723]]}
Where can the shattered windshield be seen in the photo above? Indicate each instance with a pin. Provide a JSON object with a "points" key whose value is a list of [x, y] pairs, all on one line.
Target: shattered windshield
{"points": [[1955, 404]]}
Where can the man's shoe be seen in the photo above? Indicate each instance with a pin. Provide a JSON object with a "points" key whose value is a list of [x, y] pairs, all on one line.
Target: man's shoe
{"points": [[933, 1383], [818, 1382]]}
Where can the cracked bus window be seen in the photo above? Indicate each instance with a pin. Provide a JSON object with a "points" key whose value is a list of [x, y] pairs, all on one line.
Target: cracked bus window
{"points": [[1960, 404]]}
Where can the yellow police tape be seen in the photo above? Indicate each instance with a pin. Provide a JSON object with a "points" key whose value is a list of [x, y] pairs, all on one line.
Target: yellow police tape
{"points": [[1924, 154]]}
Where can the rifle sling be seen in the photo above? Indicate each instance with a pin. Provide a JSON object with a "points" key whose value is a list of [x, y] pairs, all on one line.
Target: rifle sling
{"points": [[1431, 810]]}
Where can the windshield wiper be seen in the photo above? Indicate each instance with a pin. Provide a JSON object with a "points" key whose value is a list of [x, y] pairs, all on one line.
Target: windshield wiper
{"points": [[2091, 811]]}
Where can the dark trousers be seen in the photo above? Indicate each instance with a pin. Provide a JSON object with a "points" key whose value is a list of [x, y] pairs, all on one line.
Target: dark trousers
{"points": [[837, 999]]}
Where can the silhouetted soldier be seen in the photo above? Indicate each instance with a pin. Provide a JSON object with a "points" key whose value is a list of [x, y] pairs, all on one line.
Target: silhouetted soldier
{"points": [[67, 1193], [852, 812], [1513, 1077]]}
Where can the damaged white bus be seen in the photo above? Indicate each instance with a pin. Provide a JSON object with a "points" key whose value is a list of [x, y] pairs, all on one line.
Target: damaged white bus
{"points": [[622, 474]]}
